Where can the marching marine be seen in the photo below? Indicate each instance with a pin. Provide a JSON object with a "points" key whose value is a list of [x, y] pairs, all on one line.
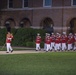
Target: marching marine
{"points": [[9, 38]]}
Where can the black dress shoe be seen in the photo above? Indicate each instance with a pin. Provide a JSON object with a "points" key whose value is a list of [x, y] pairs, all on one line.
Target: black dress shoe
{"points": [[7, 52], [11, 51], [36, 50]]}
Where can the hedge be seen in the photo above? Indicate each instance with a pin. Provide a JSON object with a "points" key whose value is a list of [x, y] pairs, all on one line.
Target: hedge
{"points": [[22, 36]]}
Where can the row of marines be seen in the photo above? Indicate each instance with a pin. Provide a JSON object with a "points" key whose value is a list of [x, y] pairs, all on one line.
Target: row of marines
{"points": [[57, 42]]}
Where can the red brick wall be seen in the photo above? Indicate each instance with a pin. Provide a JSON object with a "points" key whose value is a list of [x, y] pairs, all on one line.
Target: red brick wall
{"points": [[61, 2], [37, 3], [67, 2], [54, 14], [36, 15], [57, 3], [17, 3]]}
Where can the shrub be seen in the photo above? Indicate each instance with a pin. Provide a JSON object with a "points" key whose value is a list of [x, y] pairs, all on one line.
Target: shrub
{"points": [[2, 36], [22, 36], [42, 44], [30, 44]]}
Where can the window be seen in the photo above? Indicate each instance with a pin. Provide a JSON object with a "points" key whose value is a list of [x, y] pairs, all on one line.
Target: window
{"points": [[25, 3], [10, 3], [74, 2], [47, 2]]}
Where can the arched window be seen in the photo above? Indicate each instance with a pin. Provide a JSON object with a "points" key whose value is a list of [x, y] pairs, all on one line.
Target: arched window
{"points": [[25, 22], [47, 24], [72, 25], [10, 23]]}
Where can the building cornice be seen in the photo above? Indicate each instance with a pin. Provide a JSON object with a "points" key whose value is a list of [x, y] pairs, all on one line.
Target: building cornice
{"points": [[38, 8]]}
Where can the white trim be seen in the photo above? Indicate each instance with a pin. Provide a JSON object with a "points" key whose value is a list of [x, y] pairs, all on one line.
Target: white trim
{"points": [[43, 3], [35, 27], [55, 28], [22, 3], [17, 27], [38, 27], [7, 4], [71, 2], [7, 22], [2, 27], [16, 9], [64, 28]]}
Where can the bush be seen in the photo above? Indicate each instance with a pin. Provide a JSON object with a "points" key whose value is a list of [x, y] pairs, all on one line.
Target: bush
{"points": [[22, 36], [2, 36], [42, 44], [30, 44]]}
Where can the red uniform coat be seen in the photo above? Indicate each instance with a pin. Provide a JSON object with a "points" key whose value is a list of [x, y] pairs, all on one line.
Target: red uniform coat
{"points": [[8, 39], [70, 39], [38, 39], [53, 38], [64, 38], [48, 40], [57, 39], [75, 38]]}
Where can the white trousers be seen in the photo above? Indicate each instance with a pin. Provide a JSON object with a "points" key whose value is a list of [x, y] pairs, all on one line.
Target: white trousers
{"points": [[37, 46], [57, 46], [52, 45], [9, 48], [64, 46], [60, 45], [48, 47], [45, 46], [74, 45], [69, 46]]}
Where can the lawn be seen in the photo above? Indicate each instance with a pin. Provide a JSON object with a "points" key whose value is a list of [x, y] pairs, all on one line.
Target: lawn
{"points": [[51, 63]]}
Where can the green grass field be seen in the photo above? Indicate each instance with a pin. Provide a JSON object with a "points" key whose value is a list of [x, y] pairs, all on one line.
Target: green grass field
{"points": [[51, 63]]}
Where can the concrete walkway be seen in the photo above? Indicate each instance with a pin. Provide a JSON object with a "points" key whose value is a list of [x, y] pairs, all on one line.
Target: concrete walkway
{"points": [[21, 52]]}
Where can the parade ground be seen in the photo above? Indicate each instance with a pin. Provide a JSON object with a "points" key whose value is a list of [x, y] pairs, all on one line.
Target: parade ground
{"points": [[31, 62], [28, 61]]}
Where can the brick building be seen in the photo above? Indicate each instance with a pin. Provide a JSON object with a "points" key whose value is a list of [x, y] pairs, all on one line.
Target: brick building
{"points": [[61, 14]]}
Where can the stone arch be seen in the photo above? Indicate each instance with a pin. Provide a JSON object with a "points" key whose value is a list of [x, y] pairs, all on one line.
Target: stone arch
{"points": [[10, 23], [47, 24], [47, 21], [25, 22], [71, 25]]}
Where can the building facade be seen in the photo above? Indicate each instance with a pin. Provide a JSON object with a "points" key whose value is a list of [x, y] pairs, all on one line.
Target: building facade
{"points": [[60, 14]]}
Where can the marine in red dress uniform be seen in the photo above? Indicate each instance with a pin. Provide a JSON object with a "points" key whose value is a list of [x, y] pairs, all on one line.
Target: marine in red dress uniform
{"points": [[48, 43], [52, 41], [38, 41], [57, 41], [64, 41], [70, 41], [9, 38]]}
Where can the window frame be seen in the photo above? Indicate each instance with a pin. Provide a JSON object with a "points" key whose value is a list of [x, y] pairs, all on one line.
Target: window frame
{"points": [[23, 4], [8, 4], [47, 5], [72, 3]]}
